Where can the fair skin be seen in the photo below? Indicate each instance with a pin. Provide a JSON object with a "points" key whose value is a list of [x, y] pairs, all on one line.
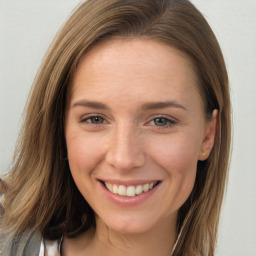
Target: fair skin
{"points": [[134, 122]]}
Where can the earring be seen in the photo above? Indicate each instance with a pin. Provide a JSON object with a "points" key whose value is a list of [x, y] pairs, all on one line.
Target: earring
{"points": [[202, 153]]}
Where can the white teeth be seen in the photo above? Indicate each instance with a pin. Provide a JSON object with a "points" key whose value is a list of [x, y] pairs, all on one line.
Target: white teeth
{"points": [[121, 190], [130, 190], [138, 190], [115, 189], [146, 187], [109, 186]]}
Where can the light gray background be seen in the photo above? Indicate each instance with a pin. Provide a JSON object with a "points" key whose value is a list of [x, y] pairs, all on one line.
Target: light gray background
{"points": [[28, 26]]}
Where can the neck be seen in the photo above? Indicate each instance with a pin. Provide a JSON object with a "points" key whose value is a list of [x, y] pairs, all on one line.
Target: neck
{"points": [[158, 240]]}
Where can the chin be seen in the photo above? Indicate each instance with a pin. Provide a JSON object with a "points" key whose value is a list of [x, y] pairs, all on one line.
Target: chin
{"points": [[129, 224]]}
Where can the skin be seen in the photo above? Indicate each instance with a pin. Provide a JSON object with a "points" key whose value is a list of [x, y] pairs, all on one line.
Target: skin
{"points": [[121, 140]]}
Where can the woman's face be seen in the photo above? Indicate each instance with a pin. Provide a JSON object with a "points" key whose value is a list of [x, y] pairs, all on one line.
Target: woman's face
{"points": [[135, 130]]}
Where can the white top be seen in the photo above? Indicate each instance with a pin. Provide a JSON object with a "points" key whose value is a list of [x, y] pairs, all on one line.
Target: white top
{"points": [[50, 248]]}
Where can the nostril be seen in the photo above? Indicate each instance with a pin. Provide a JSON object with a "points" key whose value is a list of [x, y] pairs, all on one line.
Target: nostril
{"points": [[124, 160]]}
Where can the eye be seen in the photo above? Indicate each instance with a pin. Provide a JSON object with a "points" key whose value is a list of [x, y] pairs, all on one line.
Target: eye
{"points": [[162, 122], [95, 120]]}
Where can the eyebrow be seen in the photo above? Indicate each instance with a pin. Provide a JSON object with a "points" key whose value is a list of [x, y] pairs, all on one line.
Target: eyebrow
{"points": [[160, 105], [145, 106], [92, 104]]}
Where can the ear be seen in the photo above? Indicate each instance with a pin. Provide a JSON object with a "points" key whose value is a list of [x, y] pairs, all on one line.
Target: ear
{"points": [[209, 137]]}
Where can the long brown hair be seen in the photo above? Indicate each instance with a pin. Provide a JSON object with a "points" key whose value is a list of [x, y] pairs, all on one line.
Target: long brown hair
{"points": [[42, 194]]}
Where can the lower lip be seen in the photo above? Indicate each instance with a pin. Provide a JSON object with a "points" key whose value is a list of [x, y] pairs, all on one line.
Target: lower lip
{"points": [[128, 200]]}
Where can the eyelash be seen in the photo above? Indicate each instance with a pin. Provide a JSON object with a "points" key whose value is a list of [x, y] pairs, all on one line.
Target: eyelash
{"points": [[169, 122], [85, 120]]}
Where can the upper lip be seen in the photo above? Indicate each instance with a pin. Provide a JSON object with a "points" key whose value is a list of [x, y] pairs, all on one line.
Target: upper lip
{"points": [[128, 182]]}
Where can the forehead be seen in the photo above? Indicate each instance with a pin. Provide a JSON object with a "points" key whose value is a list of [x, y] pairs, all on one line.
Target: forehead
{"points": [[132, 68]]}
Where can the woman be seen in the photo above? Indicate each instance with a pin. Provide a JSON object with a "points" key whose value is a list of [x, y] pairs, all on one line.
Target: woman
{"points": [[126, 137]]}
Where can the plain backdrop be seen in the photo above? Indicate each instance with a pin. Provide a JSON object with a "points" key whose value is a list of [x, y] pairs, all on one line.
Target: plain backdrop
{"points": [[27, 27]]}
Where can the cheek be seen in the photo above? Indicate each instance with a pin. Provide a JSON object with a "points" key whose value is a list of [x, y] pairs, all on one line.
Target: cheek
{"points": [[177, 154], [83, 154], [178, 159]]}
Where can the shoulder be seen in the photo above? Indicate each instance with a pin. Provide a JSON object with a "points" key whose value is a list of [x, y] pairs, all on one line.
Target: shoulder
{"points": [[24, 244]]}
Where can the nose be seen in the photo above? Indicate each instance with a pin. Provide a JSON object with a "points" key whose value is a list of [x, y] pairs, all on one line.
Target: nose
{"points": [[125, 150]]}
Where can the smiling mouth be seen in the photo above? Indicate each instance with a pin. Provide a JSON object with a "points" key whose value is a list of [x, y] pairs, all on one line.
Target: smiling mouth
{"points": [[130, 191]]}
